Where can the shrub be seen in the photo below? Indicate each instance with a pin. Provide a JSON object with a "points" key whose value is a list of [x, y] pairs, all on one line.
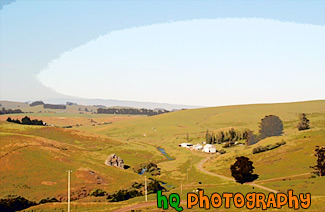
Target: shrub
{"points": [[122, 195], [268, 147], [271, 146], [222, 151], [151, 168], [283, 142], [43, 201], [98, 193]]}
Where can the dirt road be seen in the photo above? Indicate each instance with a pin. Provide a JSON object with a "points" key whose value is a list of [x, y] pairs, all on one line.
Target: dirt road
{"points": [[200, 167]]}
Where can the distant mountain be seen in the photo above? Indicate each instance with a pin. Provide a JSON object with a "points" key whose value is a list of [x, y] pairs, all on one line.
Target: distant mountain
{"points": [[121, 103]]}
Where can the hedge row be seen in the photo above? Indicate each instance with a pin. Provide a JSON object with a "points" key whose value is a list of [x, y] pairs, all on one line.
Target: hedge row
{"points": [[267, 147]]}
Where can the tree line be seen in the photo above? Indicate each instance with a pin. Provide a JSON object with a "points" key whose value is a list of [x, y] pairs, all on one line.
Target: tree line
{"points": [[225, 136], [131, 111], [49, 106], [26, 120], [10, 111], [270, 125]]}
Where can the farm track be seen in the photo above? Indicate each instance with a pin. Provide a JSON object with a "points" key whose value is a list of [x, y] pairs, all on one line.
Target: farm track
{"points": [[282, 178], [199, 166]]}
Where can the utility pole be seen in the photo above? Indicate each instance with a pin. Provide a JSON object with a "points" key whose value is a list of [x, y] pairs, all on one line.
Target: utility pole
{"points": [[187, 174], [69, 171], [145, 187]]}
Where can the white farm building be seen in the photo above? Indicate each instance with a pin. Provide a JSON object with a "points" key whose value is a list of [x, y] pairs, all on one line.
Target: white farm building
{"points": [[209, 148], [187, 145]]}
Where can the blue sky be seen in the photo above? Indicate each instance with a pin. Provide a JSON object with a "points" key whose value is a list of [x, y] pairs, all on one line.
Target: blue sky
{"points": [[184, 52]]}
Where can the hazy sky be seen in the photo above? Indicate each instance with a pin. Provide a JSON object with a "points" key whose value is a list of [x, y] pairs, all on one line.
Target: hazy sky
{"points": [[193, 52]]}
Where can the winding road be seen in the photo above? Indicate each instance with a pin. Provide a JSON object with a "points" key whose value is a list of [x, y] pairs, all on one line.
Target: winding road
{"points": [[200, 167]]}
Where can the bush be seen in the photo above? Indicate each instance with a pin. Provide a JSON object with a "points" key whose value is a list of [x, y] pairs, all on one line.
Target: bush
{"points": [[222, 151], [136, 190], [268, 147], [98, 193], [43, 201], [151, 168], [122, 195], [271, 146]]}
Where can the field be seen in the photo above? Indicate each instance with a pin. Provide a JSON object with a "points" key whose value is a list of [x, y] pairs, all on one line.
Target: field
{"points": [[34, 159]]}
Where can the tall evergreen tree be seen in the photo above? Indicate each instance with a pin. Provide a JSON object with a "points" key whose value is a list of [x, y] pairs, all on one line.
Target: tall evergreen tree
{"points": [[304, 122]]}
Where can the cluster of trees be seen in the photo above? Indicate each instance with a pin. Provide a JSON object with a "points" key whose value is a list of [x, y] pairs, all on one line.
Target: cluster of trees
{"points": [[98, 193], [50, 106], [15, 203], [26, 120], [136, 190], [270, 125], [71, 103], [18, 203], [151, 168], [225, 136], [133, 111], [36, 103], [10, 111], [267, 147]]}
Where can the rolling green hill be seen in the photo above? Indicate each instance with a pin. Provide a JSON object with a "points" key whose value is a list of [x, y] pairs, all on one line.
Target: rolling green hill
{"points": [[34, 159]]}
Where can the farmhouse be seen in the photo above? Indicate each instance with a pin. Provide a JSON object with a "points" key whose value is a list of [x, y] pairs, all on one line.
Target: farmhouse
{"points": [[209, 148], [197, 147]]}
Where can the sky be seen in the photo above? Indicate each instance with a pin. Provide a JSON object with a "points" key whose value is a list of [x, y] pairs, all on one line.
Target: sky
{"points": [[207, 53]]}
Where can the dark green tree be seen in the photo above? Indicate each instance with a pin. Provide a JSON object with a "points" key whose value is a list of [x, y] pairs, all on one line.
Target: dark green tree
{"points": [[242, 170], [320, 166], [155, 186], [270, 126], [208, 137], [26, 120], [251, 138], [304, 122]]}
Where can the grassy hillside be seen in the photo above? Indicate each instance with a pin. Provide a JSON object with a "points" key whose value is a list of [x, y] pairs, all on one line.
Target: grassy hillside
{"points": [[35, 159]]}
